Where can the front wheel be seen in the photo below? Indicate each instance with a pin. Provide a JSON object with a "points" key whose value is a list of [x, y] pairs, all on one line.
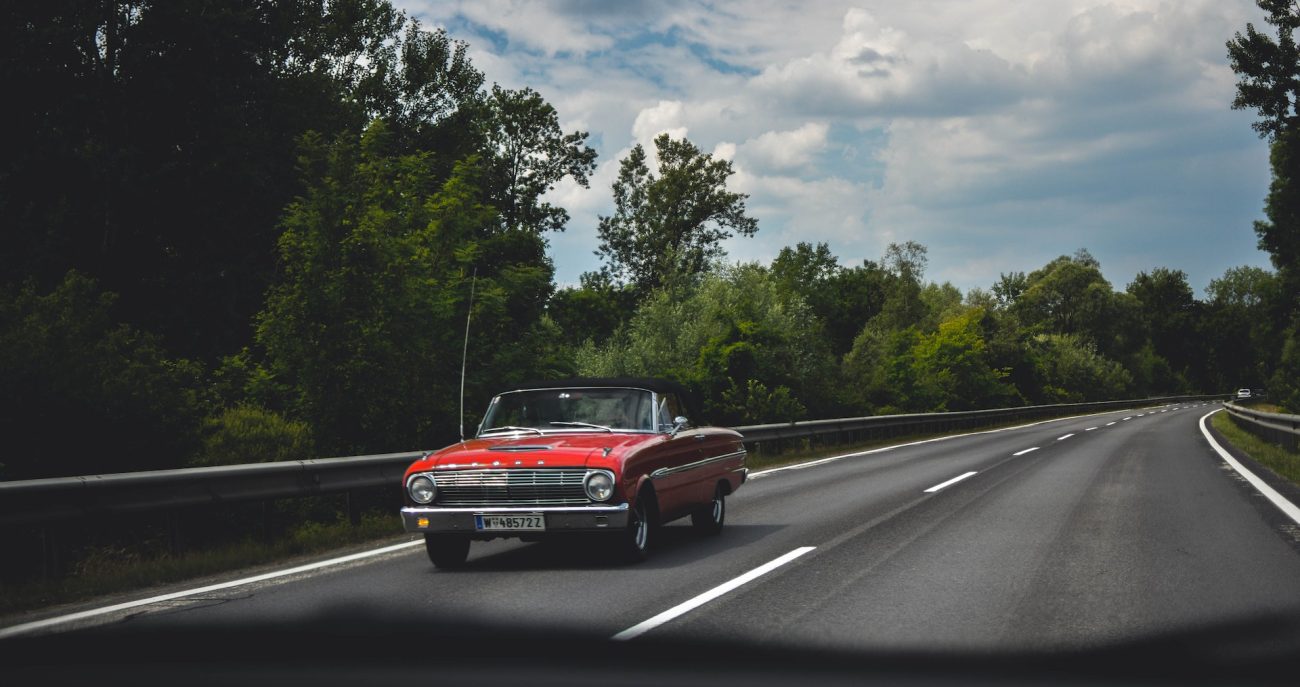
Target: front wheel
{"points": [[446, 550], [709, 519], [634, 541]]}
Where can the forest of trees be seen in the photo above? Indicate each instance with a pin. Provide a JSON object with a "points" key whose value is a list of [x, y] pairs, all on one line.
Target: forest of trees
{"points": [[249, 231]]}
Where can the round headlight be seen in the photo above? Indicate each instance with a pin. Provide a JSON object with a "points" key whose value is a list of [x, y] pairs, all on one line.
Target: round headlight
{"points": [[422, 489], [599, 486]]}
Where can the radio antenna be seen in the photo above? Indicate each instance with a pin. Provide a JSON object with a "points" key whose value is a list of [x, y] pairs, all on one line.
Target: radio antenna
{"points": [[464, 352]]}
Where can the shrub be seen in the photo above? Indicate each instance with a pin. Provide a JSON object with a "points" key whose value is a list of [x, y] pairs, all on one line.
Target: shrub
{"points": [[250, 434]]}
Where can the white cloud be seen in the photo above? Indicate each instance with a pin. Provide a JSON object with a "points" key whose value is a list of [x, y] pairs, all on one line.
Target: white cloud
{"points": [[531, 24], [1000, 133], [664, 118], [787, 149]]}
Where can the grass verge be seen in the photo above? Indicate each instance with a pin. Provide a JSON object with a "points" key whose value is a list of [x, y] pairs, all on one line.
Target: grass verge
{"points": [[1268, 454], [110, 571]]}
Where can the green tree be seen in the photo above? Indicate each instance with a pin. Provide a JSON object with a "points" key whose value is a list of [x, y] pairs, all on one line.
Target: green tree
{"points": [[67, 365], [528, 154], [1068, 369], [365, 324], [1269, 69], [1243, 327], [152, 145], [953, 368], [844, 299], [248, 434], [1070, 296], [1009, 287], [736, 327], [1268, 72], [671, 225], [905, 264], [1171, 313], [592, 311], [878, 371]]}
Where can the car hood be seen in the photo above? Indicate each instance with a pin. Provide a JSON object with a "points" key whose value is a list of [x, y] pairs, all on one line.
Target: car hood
{"points": [[532, 451]]}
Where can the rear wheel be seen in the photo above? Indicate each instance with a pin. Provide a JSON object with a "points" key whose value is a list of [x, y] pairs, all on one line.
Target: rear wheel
{"points": [[709, 519], [446, 550]]}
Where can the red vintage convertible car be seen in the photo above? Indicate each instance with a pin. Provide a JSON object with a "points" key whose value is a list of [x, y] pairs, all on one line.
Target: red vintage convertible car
{"points": [[610, 456]]}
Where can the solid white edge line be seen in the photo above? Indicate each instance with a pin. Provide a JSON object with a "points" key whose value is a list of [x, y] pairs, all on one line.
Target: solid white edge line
{"points": [[1067, 436], [1269, 493], [82, 615], [1028, 450], [949, 483], [692, 604]]}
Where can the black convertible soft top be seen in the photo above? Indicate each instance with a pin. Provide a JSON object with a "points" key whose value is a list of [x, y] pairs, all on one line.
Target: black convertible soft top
{"points": [[655, 384]]}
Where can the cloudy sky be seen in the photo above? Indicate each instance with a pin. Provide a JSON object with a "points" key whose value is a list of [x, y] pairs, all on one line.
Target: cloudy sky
{"points": [[998, 133]]}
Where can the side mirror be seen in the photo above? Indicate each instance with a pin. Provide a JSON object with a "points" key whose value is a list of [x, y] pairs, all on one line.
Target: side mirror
{"points": [[679, 423]]}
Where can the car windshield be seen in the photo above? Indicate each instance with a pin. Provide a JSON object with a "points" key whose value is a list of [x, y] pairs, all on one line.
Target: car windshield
{"points": [[570, 409]]}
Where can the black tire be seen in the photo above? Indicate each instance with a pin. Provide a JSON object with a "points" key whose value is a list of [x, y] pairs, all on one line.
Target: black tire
{"points": [[709, 519], [634, 540], [447, 551]]}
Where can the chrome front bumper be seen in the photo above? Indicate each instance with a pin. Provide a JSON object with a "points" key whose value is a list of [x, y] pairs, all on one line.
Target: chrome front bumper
{"points": [[558, 519]]}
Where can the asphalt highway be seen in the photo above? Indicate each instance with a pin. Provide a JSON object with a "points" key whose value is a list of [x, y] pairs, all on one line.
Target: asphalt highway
{"points": [[1069, 533]]}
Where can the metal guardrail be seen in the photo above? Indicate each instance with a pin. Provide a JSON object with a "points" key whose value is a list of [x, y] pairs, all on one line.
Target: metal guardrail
{"points": [[1278, 428], [66, 498], [861, 427], [48, 501]]}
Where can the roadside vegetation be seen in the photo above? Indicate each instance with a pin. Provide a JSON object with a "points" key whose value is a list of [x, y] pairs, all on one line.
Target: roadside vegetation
{"points": [[1277, 458], [110, 569]]}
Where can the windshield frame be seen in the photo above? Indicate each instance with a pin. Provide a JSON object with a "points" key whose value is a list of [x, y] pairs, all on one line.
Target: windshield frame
{"points": [[655, 407]]}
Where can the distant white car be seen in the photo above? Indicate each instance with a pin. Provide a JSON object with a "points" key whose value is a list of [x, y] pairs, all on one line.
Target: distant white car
{"points": [[1243, 393]]}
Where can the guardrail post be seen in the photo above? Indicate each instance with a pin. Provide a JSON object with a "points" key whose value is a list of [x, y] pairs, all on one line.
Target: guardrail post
{"points": [[354, 508], [175, 538], [50, 560], [268, 516]]}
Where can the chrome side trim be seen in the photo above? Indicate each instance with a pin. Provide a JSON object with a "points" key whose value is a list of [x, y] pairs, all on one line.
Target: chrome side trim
{"points": [[665, 472]]}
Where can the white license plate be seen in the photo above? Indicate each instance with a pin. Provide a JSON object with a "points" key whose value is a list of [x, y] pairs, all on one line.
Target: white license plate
{"points": [[528, 522]]}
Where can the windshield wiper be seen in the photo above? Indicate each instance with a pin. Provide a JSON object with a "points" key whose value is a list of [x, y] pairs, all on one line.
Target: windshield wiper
{"points": [[584, 424], [513, 428]]}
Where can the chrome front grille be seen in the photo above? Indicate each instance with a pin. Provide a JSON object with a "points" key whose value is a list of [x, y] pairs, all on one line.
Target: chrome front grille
{"points": [[516, 487]]}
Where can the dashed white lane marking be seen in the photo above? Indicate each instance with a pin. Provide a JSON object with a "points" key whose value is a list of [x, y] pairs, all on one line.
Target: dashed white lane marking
{"points": [[1067, 436], [1090, 429], [688, 606], [1269, 493], [1109, 424], [949, 483], [72, 617], [882, 449], [1028, 450], [1129, 418]]}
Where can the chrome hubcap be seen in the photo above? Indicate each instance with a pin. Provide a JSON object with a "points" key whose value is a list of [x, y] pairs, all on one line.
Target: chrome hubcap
{"points": [[717, 509], [642, 529]]}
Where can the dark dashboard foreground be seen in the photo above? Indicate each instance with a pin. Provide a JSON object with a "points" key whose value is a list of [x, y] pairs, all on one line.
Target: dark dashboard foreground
{"points": [[348, 648]]}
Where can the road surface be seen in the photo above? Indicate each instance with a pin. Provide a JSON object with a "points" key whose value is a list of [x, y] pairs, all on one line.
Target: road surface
{"points": [[1069, 533]]}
